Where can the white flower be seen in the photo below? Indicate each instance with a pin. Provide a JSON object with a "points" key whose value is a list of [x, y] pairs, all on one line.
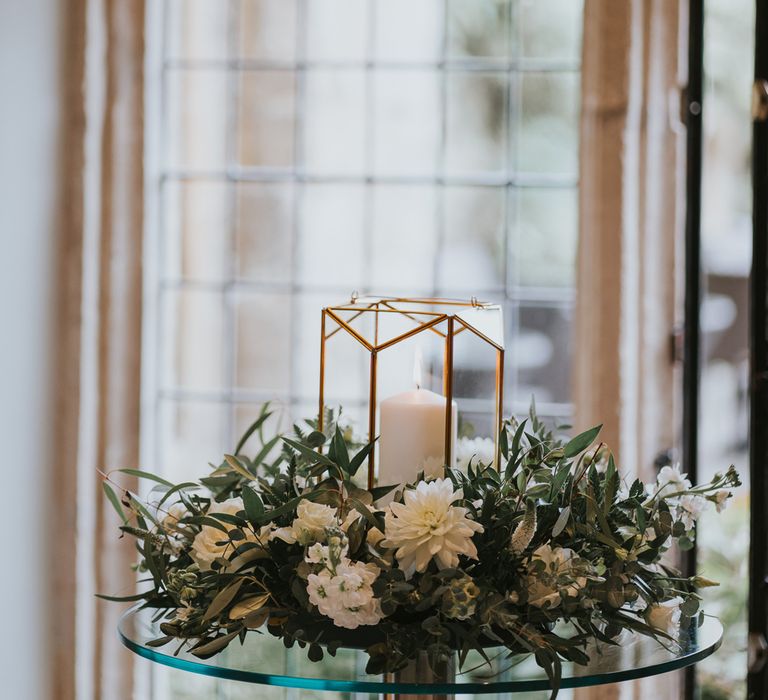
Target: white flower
{"points": [[721, 500], [546, 587], [524, 532], [427, 526], [345, 595], [309, 524], [482, 449], [665, 616], [689, 508], [671, 481], [318, 554], [206, 548], [170, 522]]}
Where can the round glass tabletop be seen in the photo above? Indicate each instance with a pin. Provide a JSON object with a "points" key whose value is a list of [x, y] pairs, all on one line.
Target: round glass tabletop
{"points": [[264, 659]]}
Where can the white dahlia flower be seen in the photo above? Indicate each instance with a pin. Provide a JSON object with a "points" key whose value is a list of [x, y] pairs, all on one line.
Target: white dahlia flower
{"points": [[428, 526]]}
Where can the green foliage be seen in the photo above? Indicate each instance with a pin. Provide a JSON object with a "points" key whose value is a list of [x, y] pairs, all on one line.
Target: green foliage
{"points": [[562, 540]]}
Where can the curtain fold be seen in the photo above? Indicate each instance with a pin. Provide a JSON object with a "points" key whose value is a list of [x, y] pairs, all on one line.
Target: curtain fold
{"points": [[630, 228], [98, 387]]}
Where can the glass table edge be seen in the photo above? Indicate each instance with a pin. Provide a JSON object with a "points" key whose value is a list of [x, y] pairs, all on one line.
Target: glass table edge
{"points": [[475, 687]]}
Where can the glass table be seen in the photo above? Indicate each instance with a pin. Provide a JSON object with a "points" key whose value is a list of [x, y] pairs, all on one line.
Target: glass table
{"points": [[263, 659]]}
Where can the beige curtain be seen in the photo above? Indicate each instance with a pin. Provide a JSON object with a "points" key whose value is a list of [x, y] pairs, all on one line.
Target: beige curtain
{"points": [[630, 225], [99, 311]]}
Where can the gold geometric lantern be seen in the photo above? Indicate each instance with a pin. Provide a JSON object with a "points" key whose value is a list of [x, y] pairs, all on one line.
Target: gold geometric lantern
{"points": [[381, 327]]}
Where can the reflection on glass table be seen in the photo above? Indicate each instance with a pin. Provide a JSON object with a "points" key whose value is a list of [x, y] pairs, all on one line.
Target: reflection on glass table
{"points": [[263, 659]]}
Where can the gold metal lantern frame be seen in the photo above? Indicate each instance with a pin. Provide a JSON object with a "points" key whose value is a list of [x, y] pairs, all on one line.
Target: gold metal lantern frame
{"points": [[363, 317]]}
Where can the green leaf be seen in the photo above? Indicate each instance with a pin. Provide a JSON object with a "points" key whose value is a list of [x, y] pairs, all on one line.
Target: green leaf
{"points": [[114, 500], [315, 439], [176, 489], [504, 443], [214, 646], [560, 477], [690, 607], [359, 458], [378, 492], [515, 450], [223, 598], [373, 519], [146, 475], [308, 453], [124, 598], [237, 465], [265, 413], [287, 507], [264, 451], [561, 521], [642, 523], [581, 441], [140, 507], [254, 508], [338, 451], [160, 641]]}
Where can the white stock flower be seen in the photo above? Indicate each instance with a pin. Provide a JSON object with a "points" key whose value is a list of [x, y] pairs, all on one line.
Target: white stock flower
{"points": [[688, 509], [545, 587], [482, 449], [206, 548], [665, 616], [309, 524], [427, 526], [721, 500], [671, 481], [346, 595]]}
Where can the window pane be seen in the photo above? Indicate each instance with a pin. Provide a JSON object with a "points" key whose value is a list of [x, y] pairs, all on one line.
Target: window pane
{"points": [[262, 362], [196, 128], [197, 239], [548, 135], [334, 123], [407, 30], [543, 251], [551, 29], [541, 352], [192, 434], [193, 336], [264, 231], [478, 28], [471, 257], [196, 30], [476, 121], [406, 136], [331, 251], [336, 30], [404, 239], [267, 114], [268, 30]]}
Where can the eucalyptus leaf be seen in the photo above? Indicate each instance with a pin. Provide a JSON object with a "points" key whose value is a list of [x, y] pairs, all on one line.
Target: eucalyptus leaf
{"points": [[581, 441]]}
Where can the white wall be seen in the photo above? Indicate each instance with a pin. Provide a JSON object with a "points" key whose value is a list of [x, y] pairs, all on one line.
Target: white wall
{"points": [[29, 118]]}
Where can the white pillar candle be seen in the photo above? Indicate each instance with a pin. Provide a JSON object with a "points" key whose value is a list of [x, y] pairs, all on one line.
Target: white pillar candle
{"points": [[412, 436]]}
